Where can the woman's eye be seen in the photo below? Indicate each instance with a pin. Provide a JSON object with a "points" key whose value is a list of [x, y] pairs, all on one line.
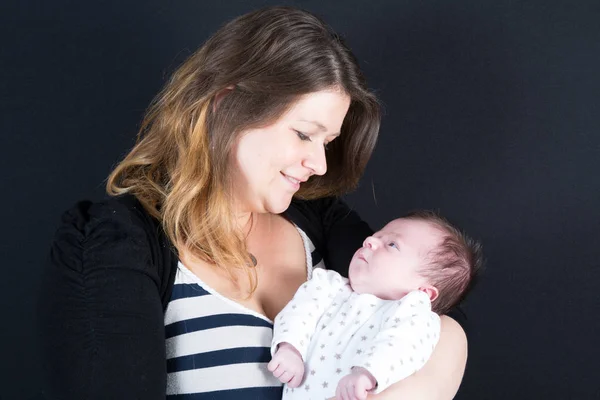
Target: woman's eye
{"points": [[302, 136]]}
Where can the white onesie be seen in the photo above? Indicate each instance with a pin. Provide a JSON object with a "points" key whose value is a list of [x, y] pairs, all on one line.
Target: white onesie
{"points": [[335, 329]]}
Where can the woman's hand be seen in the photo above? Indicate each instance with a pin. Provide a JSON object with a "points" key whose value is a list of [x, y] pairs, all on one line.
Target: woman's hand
{"points": [[440, 378]]}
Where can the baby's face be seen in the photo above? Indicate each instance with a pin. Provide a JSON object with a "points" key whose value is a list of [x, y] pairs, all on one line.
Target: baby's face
{"points": [[387, 264]]}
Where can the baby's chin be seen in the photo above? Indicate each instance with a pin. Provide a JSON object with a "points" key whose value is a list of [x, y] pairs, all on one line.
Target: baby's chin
{"points": [[351, 278], [356, 284], [352, 273]]}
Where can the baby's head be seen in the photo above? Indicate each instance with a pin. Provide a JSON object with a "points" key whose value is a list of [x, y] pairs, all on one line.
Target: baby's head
{"points": [[421, 251]]}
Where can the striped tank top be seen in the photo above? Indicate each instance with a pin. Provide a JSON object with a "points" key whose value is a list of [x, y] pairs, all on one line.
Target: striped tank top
{"points": [[218, 349]]}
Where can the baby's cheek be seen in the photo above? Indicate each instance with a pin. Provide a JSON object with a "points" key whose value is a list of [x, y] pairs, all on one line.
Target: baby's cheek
{"points": [[384, 287], [372, 286], [353, 269]]}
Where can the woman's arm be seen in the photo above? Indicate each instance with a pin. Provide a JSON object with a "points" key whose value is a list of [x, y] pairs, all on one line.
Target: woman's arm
{"points": [[440, 378], [101, 319]]}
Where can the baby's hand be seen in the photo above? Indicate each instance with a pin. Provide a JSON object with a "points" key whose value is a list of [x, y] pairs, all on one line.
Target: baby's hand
{"points": [[287, 365], [355, 385]]}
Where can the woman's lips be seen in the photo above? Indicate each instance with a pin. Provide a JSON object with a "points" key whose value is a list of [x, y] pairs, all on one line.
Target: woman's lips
{"points": [[293, 181]]}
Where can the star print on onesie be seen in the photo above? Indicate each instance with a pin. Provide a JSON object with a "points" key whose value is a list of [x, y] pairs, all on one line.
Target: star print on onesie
{"points": [[335, 329]]}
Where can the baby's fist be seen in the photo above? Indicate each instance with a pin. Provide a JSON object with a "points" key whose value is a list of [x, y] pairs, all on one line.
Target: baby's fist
{"points": [[287, 365], [355, 385]]}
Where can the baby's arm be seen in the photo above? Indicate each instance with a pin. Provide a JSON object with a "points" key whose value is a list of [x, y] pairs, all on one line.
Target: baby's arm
{"points": [[295, 324], [405, 341]]}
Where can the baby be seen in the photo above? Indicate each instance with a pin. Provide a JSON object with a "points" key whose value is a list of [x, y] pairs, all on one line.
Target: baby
{"points": [[348, 337]]}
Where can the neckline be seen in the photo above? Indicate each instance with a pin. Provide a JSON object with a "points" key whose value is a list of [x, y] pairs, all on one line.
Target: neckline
{"points": [[309, 269]]}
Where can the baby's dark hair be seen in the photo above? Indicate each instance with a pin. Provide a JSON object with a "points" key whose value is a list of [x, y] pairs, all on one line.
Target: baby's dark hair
{"points": [[453, 266]]}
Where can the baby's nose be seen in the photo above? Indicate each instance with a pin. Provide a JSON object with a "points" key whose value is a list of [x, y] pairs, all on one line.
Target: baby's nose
{"points": [[370, 242]]}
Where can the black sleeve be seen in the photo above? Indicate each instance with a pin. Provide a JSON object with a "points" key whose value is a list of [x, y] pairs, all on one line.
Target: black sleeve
{"points": [[342, 233], [100, 314], [336, 230]]}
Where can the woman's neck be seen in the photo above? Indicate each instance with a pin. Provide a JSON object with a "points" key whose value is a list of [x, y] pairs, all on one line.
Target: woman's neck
{"points": [[246, 221]]}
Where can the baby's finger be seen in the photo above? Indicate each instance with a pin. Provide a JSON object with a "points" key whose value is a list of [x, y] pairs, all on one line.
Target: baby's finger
{"points": [[286, 377], [349, 392], [338, 392], [295, 381], [273, 364], [299, 374], [280, 370], [342, 389], [360, 392]]}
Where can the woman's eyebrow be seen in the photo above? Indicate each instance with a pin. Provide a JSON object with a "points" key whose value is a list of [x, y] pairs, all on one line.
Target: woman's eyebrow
{"points": [[320, 126]]}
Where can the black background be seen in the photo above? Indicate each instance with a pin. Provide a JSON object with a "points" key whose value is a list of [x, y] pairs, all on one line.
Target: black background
{"points": [[492, 117]]}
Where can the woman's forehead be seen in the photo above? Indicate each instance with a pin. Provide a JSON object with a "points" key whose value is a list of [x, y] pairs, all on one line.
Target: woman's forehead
{"points": [[324, 109]]}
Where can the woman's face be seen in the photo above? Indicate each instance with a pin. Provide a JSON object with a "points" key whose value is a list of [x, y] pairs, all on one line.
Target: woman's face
{"points": [[273, 161]]}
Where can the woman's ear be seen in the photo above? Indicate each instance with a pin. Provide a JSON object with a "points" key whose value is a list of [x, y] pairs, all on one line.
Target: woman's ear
{"points": [[430, 291], [221, 95]]}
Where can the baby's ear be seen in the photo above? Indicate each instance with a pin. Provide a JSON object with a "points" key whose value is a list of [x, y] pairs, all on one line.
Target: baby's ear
{"points": [[430, 291]]}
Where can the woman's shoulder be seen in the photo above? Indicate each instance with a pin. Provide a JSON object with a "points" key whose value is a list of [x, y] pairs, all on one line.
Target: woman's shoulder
{"points": [[115, 233], [112, 215], [116, 226]]}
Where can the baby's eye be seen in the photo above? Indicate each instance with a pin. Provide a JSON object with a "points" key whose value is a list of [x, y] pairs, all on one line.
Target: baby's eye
{"points": [[394, 244], [326, 146], [302, 136]]}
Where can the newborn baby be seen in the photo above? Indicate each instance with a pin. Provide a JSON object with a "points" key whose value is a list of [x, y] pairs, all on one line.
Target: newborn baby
{"points": [[348, 337]]}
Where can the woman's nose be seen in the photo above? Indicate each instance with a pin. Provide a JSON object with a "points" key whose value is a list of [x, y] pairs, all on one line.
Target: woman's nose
{"points": [[316, 160]]}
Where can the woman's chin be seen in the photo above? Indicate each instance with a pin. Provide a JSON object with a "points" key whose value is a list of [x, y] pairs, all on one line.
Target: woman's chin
{"points": [[277, 206]]}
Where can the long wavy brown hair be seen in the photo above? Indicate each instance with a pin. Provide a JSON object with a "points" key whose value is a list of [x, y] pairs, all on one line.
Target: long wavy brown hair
{"points": [[180, 167]]}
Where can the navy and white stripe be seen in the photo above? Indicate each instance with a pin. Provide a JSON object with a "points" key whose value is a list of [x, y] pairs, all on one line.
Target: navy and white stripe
{"points": [[216, 348]]}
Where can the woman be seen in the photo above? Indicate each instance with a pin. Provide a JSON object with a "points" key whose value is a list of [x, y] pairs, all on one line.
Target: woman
{"points": [[218, 215]]}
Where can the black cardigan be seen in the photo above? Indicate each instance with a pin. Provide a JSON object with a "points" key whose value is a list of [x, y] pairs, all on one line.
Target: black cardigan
{"points": [[109, 279]]}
